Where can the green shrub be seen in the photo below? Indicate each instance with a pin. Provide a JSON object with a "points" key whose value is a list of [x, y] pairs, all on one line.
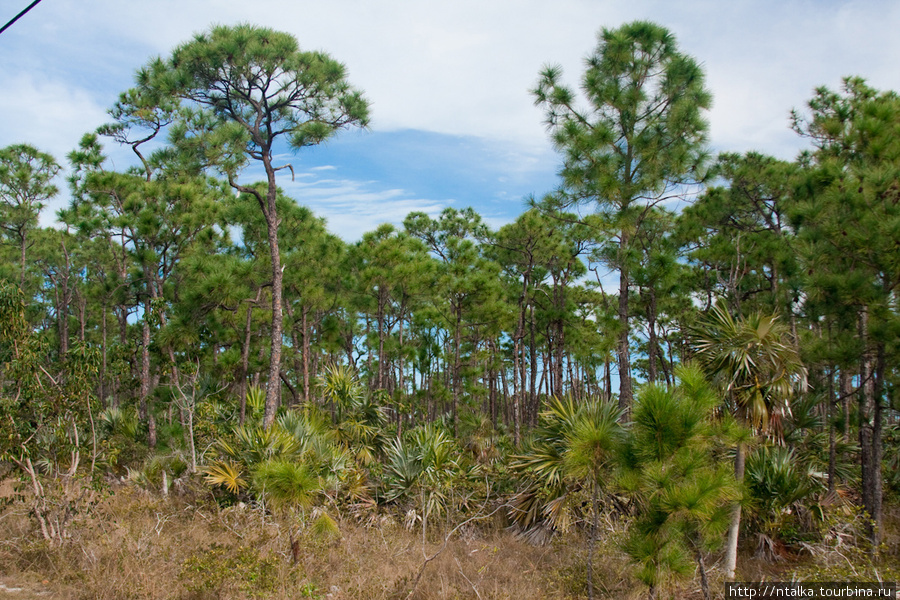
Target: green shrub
{"points": [[219, 571]]}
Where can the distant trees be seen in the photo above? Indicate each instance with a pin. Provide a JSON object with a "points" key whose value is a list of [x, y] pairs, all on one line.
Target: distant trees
{"points": [[26, 182], [488, 357], [848, 214]]}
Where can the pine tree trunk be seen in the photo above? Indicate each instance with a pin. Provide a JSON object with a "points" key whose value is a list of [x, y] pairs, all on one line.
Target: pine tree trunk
{"points": [[306, 346], [273, 385], [651, 341], [622, 350], [832, 435], [146, 411], [701, 566], [867, 431]]}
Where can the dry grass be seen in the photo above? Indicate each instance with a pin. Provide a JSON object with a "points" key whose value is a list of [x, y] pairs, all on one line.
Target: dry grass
{"points": [[135, 545]]}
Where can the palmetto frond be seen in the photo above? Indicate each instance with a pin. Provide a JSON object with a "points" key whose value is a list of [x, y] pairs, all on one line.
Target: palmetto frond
{"points": [[122, 421], [754, 360], [340, 385], [426, 463], [573, 447], [404, 465], [227, 475], [256, 399], [286, 484]]}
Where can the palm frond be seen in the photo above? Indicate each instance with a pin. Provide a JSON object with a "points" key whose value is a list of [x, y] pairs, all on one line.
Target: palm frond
{"points": [[227, 475]]}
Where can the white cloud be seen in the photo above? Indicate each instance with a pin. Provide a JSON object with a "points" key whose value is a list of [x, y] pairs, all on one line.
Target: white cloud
{"points": [[462, 67], [352, 207], [46, 113], [465, 67]]}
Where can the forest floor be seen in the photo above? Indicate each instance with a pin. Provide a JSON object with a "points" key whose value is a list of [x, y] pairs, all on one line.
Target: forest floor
{"points": [[135, 545], [23, 589]]}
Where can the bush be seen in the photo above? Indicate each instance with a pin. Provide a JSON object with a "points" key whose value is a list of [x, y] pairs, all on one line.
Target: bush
{"points": [[220, 571]]}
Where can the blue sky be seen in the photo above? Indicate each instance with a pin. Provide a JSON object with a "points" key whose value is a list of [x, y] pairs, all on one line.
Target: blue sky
{"points": [[453, 122]]}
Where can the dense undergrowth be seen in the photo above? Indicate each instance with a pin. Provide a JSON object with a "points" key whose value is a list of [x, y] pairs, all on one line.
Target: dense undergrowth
{"points": [[337, 502]]}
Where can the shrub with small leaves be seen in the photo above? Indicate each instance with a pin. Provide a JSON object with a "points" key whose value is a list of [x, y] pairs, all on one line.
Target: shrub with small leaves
{"points": [[220, 572]]}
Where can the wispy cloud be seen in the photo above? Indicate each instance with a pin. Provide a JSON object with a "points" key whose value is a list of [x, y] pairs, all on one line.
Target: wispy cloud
{"points": [[46, 113], [352, 207], [461, 70]]}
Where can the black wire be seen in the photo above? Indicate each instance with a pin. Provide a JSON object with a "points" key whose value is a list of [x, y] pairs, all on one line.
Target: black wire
{"points": [[19, 16]]}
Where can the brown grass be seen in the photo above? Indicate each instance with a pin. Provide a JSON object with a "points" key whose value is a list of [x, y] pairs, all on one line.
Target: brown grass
{"points": [[134, 545]]}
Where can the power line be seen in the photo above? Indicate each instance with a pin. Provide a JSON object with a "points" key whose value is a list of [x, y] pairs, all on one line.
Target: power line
{"points": [[19, 16]]}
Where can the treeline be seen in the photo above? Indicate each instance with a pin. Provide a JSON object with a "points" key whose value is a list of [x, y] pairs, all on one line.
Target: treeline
{"points": [[175, 275]]}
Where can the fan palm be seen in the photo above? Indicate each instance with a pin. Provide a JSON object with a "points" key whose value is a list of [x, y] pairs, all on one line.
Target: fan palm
{"points": [[359, 420], [426, 462], [248, 447], [286, 487], [756, 364], [779, 487], [577, 446]]}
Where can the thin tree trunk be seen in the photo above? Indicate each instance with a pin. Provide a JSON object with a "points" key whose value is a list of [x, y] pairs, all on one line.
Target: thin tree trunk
{"points": [[622, 350], [144, 400], [607, 379], [651, 341], [273, 385], [401, 380], [877, 448], [24, 237], [457, 334], [868, 427], [532, 393], [103, 355], [832, 435], [846, 389], [734, 528], [305, 330], [704, 582]]}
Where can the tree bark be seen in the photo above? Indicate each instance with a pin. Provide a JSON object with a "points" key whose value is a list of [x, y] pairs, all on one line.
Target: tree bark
{"points": [[734, 528], [868, 428], [622, 351], [273, 385]]}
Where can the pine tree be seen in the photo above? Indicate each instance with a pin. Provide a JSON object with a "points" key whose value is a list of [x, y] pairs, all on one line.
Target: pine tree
{"points": [[240, 90], [637, 143]]}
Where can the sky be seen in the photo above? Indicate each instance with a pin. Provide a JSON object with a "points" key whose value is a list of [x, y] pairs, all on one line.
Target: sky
{"points": [[453, 122]]}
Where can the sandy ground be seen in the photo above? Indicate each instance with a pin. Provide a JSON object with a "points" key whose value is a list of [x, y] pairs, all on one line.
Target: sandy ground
{"points": [[11, 588]]}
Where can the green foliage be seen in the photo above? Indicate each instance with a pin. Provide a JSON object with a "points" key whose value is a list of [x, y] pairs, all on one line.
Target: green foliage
{"points": [[782, 498], [285, 485], [226, 475], [682, 494], [221, 570], [426, 467], [26, 182], [739, 238], [754, 360], [359, 420], [576, 447], [480, 334]]}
